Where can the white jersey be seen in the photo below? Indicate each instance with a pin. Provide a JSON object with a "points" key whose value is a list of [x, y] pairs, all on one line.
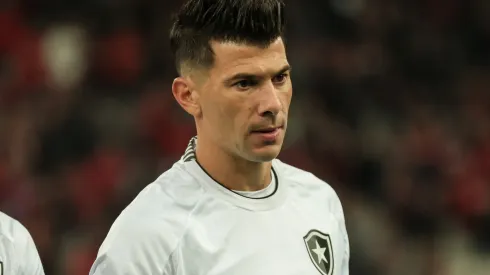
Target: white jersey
{"points": [[185, 223], [18, 253]]}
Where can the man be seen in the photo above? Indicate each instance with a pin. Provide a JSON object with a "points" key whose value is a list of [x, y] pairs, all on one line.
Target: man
{"points": [[229, 206], [18, 253]]}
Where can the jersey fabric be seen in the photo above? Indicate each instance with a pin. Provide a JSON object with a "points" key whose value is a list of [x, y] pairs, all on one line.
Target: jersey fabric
{"points": [[18, 253], [267, 191], [186, 223]]}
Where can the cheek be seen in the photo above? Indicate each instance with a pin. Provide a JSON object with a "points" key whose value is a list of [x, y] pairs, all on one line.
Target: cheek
{"points": [[213, 107], [241, 113], [285, 98], [225, 113]]}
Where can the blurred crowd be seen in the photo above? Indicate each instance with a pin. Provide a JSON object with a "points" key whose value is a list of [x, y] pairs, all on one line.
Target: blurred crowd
{"points": [[391, 107]]}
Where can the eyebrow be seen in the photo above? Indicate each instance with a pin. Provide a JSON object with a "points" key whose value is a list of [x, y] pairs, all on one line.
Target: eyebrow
{"points": [[248, 76]]}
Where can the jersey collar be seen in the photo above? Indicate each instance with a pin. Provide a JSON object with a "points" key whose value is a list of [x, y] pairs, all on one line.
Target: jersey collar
{"points": [[275, 199]]}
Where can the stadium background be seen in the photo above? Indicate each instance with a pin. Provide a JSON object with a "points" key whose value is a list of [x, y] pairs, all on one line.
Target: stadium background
{"points": [[391, 107]]}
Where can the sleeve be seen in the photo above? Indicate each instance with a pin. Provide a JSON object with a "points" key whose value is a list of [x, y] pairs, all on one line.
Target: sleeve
{"points": [[27, 251], [134, 248]]}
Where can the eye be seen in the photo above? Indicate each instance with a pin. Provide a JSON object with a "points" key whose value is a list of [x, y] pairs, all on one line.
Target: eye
{"points": [[279, 79], [245, 84]]}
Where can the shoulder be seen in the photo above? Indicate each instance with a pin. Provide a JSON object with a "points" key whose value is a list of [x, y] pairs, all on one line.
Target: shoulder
{"points": [[301, 179], [305, 184], [22, 248], [13, 231], [162, 206], [154, 222]]}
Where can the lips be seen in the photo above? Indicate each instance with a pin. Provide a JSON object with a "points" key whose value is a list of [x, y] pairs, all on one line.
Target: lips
{"points": [[268, 135], [267, 130]]}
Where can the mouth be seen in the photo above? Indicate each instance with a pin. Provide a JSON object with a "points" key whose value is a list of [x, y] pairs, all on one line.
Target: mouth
{"points": [[268, 134], [267, 130]]}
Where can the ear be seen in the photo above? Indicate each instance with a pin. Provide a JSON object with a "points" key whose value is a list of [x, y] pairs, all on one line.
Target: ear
{"points": [[186, 96]]}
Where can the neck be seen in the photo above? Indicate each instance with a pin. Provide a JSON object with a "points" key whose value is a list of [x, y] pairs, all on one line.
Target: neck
{"points": [[231, 171]]}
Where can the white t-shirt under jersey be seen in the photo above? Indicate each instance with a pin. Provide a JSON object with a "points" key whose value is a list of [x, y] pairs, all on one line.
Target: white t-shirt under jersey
{"points": [[185, 223], [18, 253]]}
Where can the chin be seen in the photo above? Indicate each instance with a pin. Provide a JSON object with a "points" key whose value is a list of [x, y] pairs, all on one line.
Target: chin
{"points": [[265, 154]]}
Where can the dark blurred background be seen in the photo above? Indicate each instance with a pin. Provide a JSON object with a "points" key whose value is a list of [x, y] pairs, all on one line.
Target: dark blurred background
{"points": [[391, 107]]}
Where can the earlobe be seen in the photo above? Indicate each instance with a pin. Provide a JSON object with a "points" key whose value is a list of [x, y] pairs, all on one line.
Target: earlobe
{"points": [[188, 99]]}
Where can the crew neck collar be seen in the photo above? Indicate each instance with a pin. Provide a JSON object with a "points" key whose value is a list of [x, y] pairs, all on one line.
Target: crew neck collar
{"points": [[275, 199]]}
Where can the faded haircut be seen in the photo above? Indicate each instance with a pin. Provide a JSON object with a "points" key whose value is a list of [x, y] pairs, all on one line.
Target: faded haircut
{"points": [[198, 22]]}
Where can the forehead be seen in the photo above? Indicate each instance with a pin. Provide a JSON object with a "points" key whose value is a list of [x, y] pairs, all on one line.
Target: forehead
{"points": [[231, 58]]}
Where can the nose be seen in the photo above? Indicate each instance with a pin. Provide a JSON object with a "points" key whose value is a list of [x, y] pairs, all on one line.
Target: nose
{"points": [[270, 104]]}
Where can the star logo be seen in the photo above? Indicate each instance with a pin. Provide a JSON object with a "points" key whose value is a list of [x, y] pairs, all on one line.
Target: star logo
{"points": [[319, 247]]}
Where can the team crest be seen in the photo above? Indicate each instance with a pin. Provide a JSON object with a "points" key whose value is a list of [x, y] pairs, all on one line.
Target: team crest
{"points": [[319, 246]]}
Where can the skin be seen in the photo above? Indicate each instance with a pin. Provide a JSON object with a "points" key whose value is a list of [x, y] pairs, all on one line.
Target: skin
{"points": [[247, 88]]}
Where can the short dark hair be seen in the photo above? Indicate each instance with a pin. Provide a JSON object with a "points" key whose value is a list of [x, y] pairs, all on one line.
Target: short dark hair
{"points": [[251, 22]]}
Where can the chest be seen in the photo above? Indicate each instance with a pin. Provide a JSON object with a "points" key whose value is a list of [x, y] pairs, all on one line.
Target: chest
{"points": [[292, 240]]}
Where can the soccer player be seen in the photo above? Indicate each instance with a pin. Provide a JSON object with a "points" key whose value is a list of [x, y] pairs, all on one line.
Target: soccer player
{"points": [[228, 206], [18, 253]]}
